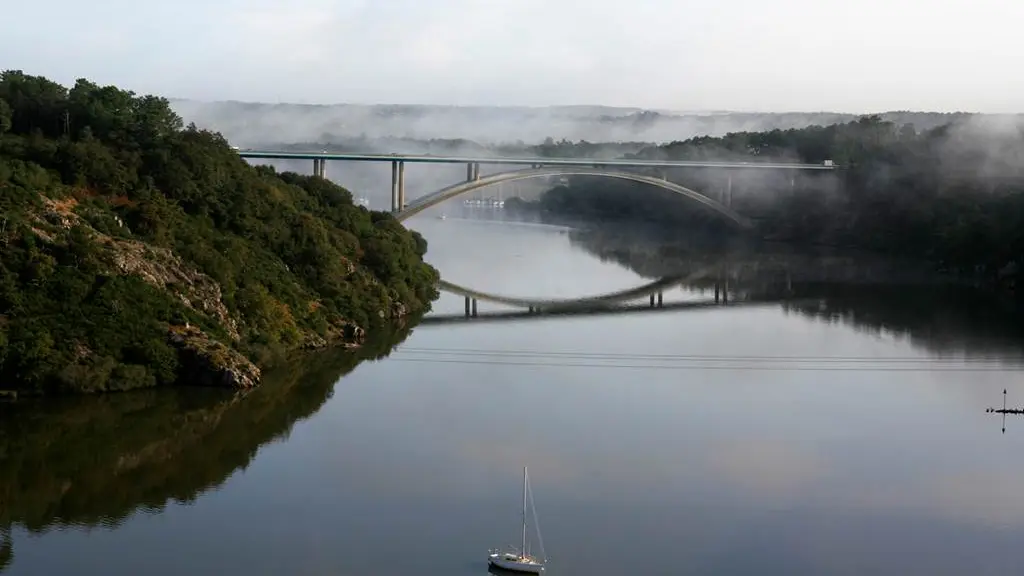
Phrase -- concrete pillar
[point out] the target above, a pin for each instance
(401, 185)
(476, 171)
(652, 300)
(728, 192)
(394, 186)
(659, 300)
(469, 172)
(316, 166)
(474, 307)
(725, 291)
(717, 291)
(467, 306)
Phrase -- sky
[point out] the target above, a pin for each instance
(750, 55)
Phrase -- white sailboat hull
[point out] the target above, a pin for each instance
(519, 560)
(515, 565)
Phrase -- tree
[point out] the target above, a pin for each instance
(119, 223)
(5, 116)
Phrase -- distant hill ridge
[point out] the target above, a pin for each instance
(253, 123)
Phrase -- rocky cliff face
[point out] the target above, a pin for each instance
(204, 360)
(207, 362)
(163, 269)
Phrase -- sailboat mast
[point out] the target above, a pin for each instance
(523, 549)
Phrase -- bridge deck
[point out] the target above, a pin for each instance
(428, 158)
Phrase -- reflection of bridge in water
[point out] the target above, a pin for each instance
(653, 290)
(613, 310)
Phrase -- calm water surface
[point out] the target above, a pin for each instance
(658, 443)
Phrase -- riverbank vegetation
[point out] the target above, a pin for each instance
(952, 196)
(136, 252)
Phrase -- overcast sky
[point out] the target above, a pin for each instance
(762, 55)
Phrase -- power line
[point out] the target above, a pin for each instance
(697, 366)
(527, 354)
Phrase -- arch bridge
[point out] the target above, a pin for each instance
(621, 168)
(424, 202)
(635, 170)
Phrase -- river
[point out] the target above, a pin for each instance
(842, 434)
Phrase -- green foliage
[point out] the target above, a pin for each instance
(5, 116)
(114, 217)
(953, 195)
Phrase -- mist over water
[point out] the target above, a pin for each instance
(265, 125)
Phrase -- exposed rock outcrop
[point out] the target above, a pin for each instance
(207, 362)
(162, 268)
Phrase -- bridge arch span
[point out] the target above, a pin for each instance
(430, 200)
(583, 301)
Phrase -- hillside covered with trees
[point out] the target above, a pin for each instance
(138, 252)
(952, 196)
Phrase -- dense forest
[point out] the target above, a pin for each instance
(139, 252)
(952, 196)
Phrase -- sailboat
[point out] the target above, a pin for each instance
(520, 560)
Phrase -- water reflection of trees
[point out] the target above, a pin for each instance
(942, 320)
(870, 293)
(95, 461)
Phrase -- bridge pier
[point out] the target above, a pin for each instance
(652, 300)
(472, 172)
(717, 290)
(659, 300)
(401, 185)
(728, 192)
(320, 167)
(394, 186)
(470, 307)
(397, 185)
